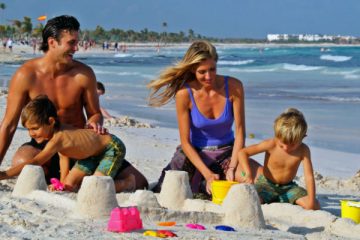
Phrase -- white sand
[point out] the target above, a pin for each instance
(51, 215)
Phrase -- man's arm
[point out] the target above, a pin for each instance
(44, 156)
(17, 98)
(91, 103)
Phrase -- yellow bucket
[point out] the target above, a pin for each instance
(350, 209)
(219, 189)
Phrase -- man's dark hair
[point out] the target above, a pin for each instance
(100, 86)
(54, 28)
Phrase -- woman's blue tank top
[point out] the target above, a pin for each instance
(211, 132)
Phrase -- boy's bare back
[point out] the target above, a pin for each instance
(79, 143)
(280, 166)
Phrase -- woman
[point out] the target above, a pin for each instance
(207, 105)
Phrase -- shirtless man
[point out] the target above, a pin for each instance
(69, 84)
(96, 154)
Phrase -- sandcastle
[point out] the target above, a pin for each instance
(96, 197)
(175, 190)
(31, 178)
(241, 206)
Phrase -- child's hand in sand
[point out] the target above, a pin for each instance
(51, 188)
(246, 178)
(3, 175)
(55, 185)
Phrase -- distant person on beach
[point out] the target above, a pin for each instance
(9, 44)
(95, 154)
(207, 105)
(69, 84)
(4, 44)
(100, 88)
(34, 44)
(283, 155)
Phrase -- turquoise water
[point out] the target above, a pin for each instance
(325, 85)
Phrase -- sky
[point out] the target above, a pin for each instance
(212, 18)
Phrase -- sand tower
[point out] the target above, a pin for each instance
(96, 197)
(175, 189)
(31, 178)
(242, 207)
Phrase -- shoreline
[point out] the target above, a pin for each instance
(24, 52)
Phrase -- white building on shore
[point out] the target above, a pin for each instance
(307, 37)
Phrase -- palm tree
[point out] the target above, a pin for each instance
(17, 27)
(164, 24)
(191, 34)
(2, 7)
(26, 26)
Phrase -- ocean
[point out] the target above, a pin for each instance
(322, 82)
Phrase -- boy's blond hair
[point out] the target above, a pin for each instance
(290, 127)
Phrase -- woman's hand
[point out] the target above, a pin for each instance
(209, 180)
(230, 176)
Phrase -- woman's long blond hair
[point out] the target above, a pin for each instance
(174, 77)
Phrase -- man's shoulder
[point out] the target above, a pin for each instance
(30, 65)
(80, 66)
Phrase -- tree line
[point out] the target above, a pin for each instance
(24, 30)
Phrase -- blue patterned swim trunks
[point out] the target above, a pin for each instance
(109, 162)
(271, 192)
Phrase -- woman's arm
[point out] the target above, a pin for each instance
(182, 100)
(237, 99)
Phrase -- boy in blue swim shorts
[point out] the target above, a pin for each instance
(95, 154)
(283, 155)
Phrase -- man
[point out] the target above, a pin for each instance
(69, 84)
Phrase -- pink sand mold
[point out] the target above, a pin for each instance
(124, 219)
(58, 186)
(195, 226)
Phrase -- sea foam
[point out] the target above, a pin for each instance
(335, 58)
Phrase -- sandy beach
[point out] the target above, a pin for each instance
(43, 214)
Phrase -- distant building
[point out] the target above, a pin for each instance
(309, 38)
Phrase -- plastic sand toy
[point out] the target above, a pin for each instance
(224, 228)
(219, 189)
(195, 226)
(167, 233)
(124, 219)
(58, 186)
(154, 234)
(166, 224)
(351, 210)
